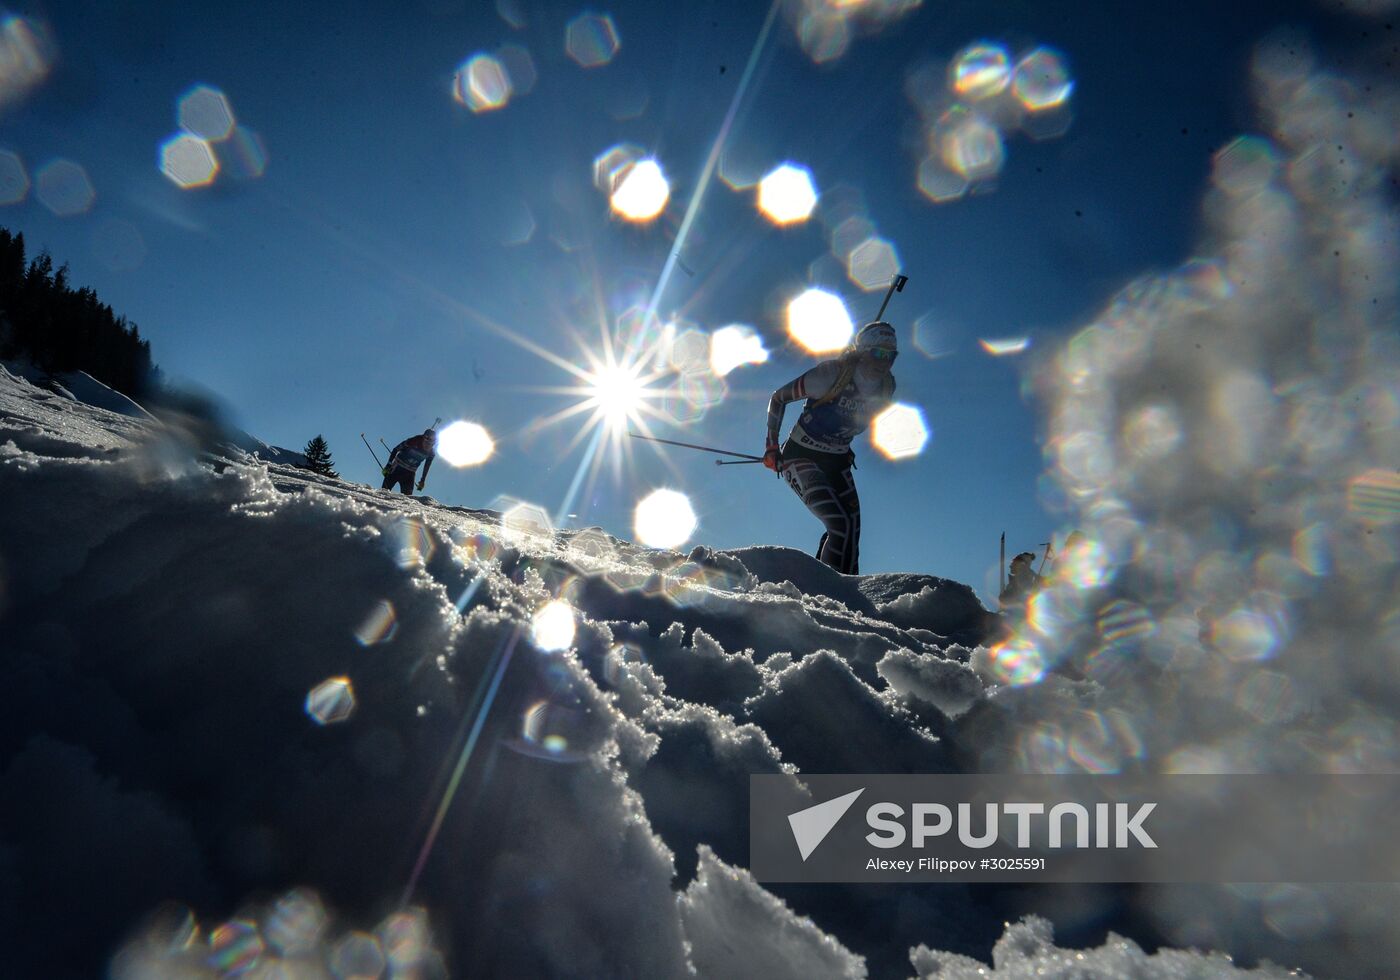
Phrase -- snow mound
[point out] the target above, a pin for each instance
(229, 680)
(1026, 951)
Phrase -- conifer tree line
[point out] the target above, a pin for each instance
(60, 328)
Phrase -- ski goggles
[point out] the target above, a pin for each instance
(883, 354)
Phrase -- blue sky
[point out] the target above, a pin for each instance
(347, 289)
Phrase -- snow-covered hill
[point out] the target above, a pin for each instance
(501, 800)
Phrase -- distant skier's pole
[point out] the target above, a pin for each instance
(1049, 546)
(371, 451)
(896, 286)
(703, 449)
(1001, 565)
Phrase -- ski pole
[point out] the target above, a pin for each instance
(385, 445)
(896, 286)
(703, 449)
(372, 452)
(1049, 546)
(1001, 565)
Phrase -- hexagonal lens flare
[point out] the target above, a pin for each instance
(642, 192)
(331, 701)
(465, 444)
(973, 149)
(939, 184)
(188, 161)
(204, 111)
(899, 431)
(980, 71)
(664, 519)
(818, 320)
(357, 955)
(787, 195)
(1041, 80)
(63, 187)
(379, 626)
(591, 40)
(526, 524)
(872, 264)
(481, 84)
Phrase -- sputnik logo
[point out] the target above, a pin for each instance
(810, 826)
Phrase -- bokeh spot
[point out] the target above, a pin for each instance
(481, 84)
(407, 941)
(188, 161)
(552, 627)
(733, 346)
(465, 444)
(204, 111)
(642, 192)
(524, 524)
(972, 148)
(357, 956)
(235, 947)
(296, 923)
(379, 626)
(899, 431)
(819, 321)
(787, 195)
(331, 701)
(939, 184)
(591, 39)
(1041, 80)
(664, 519)
(872, 264)
(980, 71)
(63, 187)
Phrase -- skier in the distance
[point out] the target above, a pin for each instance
(404, 459)
(843, 395)
(1022, 581)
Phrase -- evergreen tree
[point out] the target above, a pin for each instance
(59, 328)
(318, 458)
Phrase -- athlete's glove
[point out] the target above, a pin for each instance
(420, 485)
(383, 471)
(773, 457)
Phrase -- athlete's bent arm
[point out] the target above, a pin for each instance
(793, 391)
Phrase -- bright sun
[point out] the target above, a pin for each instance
(617, 392)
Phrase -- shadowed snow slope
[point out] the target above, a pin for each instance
(483, 806)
